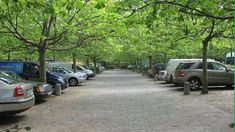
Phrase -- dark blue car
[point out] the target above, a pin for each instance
(30, 71)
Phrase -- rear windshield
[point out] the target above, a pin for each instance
(185, 65)
(13, 75)
(8, 80)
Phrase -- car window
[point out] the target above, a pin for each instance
(11, 75)
(80, 68)
(58, 70)
(31, 69)
(67, 70)
(217, 66)
(7, 79)
(14, 75)
(185, 65)
(209, 66)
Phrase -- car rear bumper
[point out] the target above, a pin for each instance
(179, 80)
(91, 75)
(82, 80)
(16, 107)
(161, 78)
(42, 95)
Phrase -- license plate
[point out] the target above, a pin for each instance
(49, 93)
(29, 91)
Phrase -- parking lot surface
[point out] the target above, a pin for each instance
(123, 101)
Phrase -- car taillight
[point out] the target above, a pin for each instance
(18, 91)
(182, 73)
(40, 89)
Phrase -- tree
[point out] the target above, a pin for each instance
(191, 15)
(41, 24)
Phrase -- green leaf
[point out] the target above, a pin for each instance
(79, 4)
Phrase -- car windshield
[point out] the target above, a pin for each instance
(67, 70)
(80, 67)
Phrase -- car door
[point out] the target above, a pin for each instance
(221, 75)
(211, 74)
(59, 72)
(31, 72)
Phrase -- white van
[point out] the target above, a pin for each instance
(173, 63)
(69, 66)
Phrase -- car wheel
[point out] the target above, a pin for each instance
(73, 82)
(195, 83)
(229, 86)
(171, 78)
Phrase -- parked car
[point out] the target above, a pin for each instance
(73, 78)
(130, 67)
(161, 76)
(30, 71)
(41, 90)
(82, 75)
(218, 74)
(159, 67)
(15, 96)
(171, 66)
(229, 60)
(102, 68)
(70, 66)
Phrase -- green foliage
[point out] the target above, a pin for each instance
(115, 31)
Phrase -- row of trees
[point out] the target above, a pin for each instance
(54, 25)
(116, 31)
(173, 23)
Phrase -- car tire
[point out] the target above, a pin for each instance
(73, 81)
(195, 83)
(229, 86)
(171, 78)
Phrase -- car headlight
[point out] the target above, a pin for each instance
(61, 80)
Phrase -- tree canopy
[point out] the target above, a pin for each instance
(115, 31)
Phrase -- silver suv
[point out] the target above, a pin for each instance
(218, 74)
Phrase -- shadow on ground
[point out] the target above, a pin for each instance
(210, 88)
(8, 120)
(39, 102)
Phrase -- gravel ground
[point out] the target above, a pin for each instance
(123, 101)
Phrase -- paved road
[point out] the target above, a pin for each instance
(123, 101)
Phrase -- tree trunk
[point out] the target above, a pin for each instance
(9, 55)
(165, 56)
(94, 61)
(87, 61)
(150, 61)
(231, 55)
(42, 63)
(204, 63)
(74, 63)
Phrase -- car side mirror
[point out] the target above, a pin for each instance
(227, 70)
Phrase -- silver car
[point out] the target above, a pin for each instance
(73, 78)
(161, 76)
(15, 96)
(218, 74)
